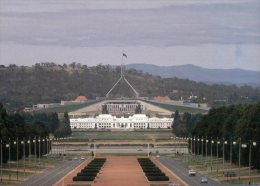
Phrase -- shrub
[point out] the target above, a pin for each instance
(158, 178)
(83, 178)
(90, 171)
(154, 174)
(87, 174)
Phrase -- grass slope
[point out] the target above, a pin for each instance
(67, 108)
(122, 135)
(181, 109)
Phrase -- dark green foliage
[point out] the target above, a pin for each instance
(152, 172)
(183, 125)
(90, 171)
(104, 109)
(94, 174)
(64, 129)
(240, 122)
(13, 127)
(83, 178)
(177, 118)
(138, 109)
(51, 120)
(158, 178)
(178, 126)
(51, 83)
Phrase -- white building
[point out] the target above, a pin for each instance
(137, 121)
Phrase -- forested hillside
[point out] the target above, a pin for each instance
(48, 82)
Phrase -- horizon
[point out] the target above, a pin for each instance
(217, 35)
(116, 65)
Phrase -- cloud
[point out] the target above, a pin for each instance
(152, 24)
(163, 24)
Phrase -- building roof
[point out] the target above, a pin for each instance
(81, 98)
(139, 116)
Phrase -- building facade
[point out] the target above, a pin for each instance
(107, 121)
(116, 107)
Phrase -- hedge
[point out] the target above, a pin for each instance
(83, 178)
(90, 172)
(152, 172)
(158, 178)
(87, 174)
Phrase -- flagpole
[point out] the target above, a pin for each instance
(1, 160)
(122, 64)
(17, 157)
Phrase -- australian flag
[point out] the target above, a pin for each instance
(124, 55)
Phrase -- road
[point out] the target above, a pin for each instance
(51, 176)
(182, 172)
(86, 150)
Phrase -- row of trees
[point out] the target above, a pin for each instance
(240, 124)
(184, 124)
(24, 128)
(58, 127)
(48, 83)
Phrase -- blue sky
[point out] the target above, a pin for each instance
(212, 34)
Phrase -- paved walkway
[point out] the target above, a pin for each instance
(121, 171)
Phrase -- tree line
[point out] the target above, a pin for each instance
(183, 125)
(23, 86)
(234, 125)
(17, 129)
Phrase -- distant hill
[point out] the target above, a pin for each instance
(199, 74)
(50, 83)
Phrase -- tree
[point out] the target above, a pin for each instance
(138, 109)
(48, 83)
(178, 126)
(240, 122)
(176, 118)
(104, 109)
(13, 126)
(64, 129)
(54, 122)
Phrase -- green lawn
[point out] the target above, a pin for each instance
(31, 165)
(122, 135)
(181, 109)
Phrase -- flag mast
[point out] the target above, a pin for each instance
(122, 77)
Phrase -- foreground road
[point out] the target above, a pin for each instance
(51, 176)
(182, 172)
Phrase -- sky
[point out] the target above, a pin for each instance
(208, 33)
